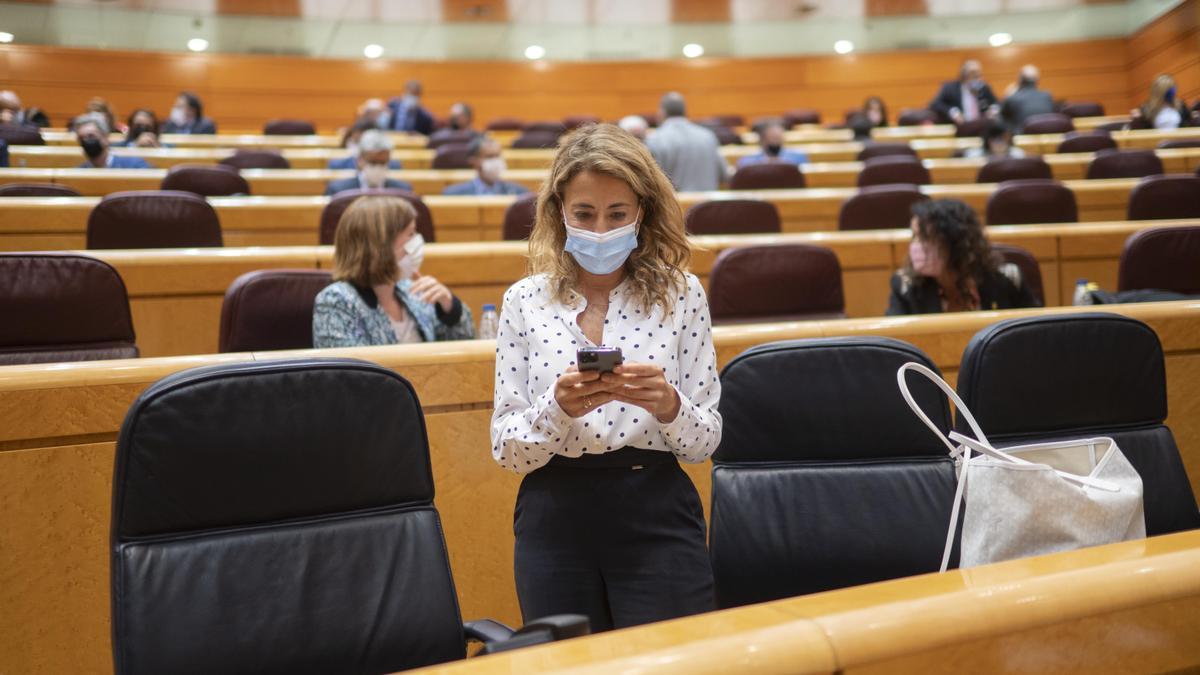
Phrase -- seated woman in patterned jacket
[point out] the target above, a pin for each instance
(379, 296)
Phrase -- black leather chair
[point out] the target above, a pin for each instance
(270, 309)
(37, 190)
(278, 517)
(780, 176)
(452, 156)
(892, 169)
(913, 117)
(1048, 123)
(824, 478)
(1031, 273)
(1165, 196)
(332, 213)
(575, 121)
(1013, 168)
(21, 134)
(1077, 376)
(972, 129)
(800, 116)
(62, 307)
(505, 124)
(1087, 141)
(535, 139)
(449, 137)
(1124, 164)
(1083, 109)
(153, 219)
(724, 134)
(783, 282)
(733, 216)
(871, 149)
(1023, 202)
(519, 217)
(1161, 258)
(206, 180)
(256, 159)
(879, 207)
(289, 128)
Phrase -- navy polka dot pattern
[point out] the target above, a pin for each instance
(536, 341)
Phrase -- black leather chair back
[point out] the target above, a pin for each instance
(331, 215)
(206, 180)
(256, 159)
(289, 128)
(452, 156)
(572, 122)
(449, 137)
(519, 217)
(1032, 200)
(775, 176)
(733, 216)
(21, 134)
(505, 124)
(153, 219)
(1013, 168)
(1165, 196)
(912, 117)
(1076, 376)
(778, 282)
(536, 138)
(1161, 258)
(824, 478)
(872, 149)
(1048, 123)
(37, 190)
(800, 116)
(278, 517)
(880, 207)
(891, 169)
(1083, 109)
(1031, 273)
(270, 309)
(62, 307)
(1087, 141)
(1124, 164)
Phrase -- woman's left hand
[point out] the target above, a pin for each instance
(429, 290)
(645, 385)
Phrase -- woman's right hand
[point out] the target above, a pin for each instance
(579, 393)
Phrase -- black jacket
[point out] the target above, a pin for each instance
(919, 295)
(1024, 103)
(950, 96)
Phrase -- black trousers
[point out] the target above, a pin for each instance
(619, 537)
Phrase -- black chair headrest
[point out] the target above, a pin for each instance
(215, 443)
(1057, 373)
(826, 399)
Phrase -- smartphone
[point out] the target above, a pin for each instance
(603, 359)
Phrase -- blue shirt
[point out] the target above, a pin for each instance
(351, 162)
(119, 162)
(785, 156)
(477, 187)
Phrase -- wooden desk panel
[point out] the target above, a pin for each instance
(57, 427)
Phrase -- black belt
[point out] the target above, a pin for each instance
(621, 458)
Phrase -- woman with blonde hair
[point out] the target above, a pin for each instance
(1164, 109)
(379, 296)
(606, 522)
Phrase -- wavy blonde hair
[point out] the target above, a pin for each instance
(656, 267)
(1158, 97)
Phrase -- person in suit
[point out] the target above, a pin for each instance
(371, 162)
(770, 137)
(350, 142)
(91, 130)
(688, 153)
(951, 266)
(484, 154)
(187, 116)
(407, 114)
(1026, 101)
(379, 296)
(966, 99)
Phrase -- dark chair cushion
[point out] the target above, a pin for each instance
(913, 117)
(972, 129)
(1022, 202)
(773, 176)
(1109, 379)
(1083, 109)
(872, 149)
(733, 216)
(519, 217)
(536, 139)
(800, 116)
(879, 207)
(37, 190)
(289, 128)
(153, 219)
(270, 309)
(1031, 272)
(1048, 123)
(1087, 141)
(450, 137)
(332, 213)
(452, 156)
(1124, 164)
(1166, 196)
(1013, 168)
(546, 127)
(505, 124)
(575, 121)
(62, 307)
(891, 169)
(1162, 258)
(784, 282)
(21, 134)
(730, 121)
(207, 180)
(256, 159)
(725, 135)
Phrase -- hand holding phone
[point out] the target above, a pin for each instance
(603, 359)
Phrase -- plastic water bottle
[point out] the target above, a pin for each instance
(1081, 293)
(487, 323)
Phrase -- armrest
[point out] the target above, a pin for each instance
(487, 631)
(540, 631)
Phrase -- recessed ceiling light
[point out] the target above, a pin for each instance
(6, 37)
(692, 50)
(373, 51)
(999, 39)
(843, 46)
(535, 52)
(197, 44)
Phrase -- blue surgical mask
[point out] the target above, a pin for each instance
(601, 253)
(1170, 95)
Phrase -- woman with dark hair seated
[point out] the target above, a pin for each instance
(951, 266)
(997, 142)
(143, 130)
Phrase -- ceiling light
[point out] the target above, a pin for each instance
(535, 52)
(373, 51)
(6, 37)
(197, 44)
(843, 46)
(692, 50)
(999, 39)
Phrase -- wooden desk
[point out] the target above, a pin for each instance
(1040, 614)
(58, 426)
(399, 140)
(176, 295)
(60, 223)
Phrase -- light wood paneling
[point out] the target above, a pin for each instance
(1169, 44)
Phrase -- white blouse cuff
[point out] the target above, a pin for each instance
(685, 418)
(552, 413)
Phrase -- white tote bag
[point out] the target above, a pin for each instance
(1033, 499)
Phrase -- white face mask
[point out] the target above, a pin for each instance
(414, 255)
(352, 149)
(601, 253)
(179, 115)
(375, 175)
(492, 168)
